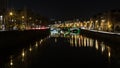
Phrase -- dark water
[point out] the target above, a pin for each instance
(70, 51)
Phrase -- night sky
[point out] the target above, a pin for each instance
(66, 8)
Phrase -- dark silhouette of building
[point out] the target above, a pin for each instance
(3, 6)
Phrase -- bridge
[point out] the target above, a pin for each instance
(64, 31)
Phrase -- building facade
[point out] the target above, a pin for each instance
(107, 21)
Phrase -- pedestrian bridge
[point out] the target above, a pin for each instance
(65, 31)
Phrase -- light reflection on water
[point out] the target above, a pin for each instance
(91, 42)
(102, 47)
(36, 44)
(30, 48)
(23, 54)
(11, 61)
(96, 44)
(81, 41)
(74, 40)
(23, 58)
(55, 40)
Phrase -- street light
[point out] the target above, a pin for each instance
(11, 13)
(11, 20)
(23, 17)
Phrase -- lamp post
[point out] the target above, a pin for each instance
(11, 20)
(11, 14)
(23, 24)
(23, 19)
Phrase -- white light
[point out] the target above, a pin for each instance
(85, 41)
(109, 54)
(11, 62)
(30, 49)
(96, 21)
(36, 44)
(91, 42)
(96, 46)
(1, 18)
(41, 40)
(103, 20)
(23, 53)
(103, 48)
